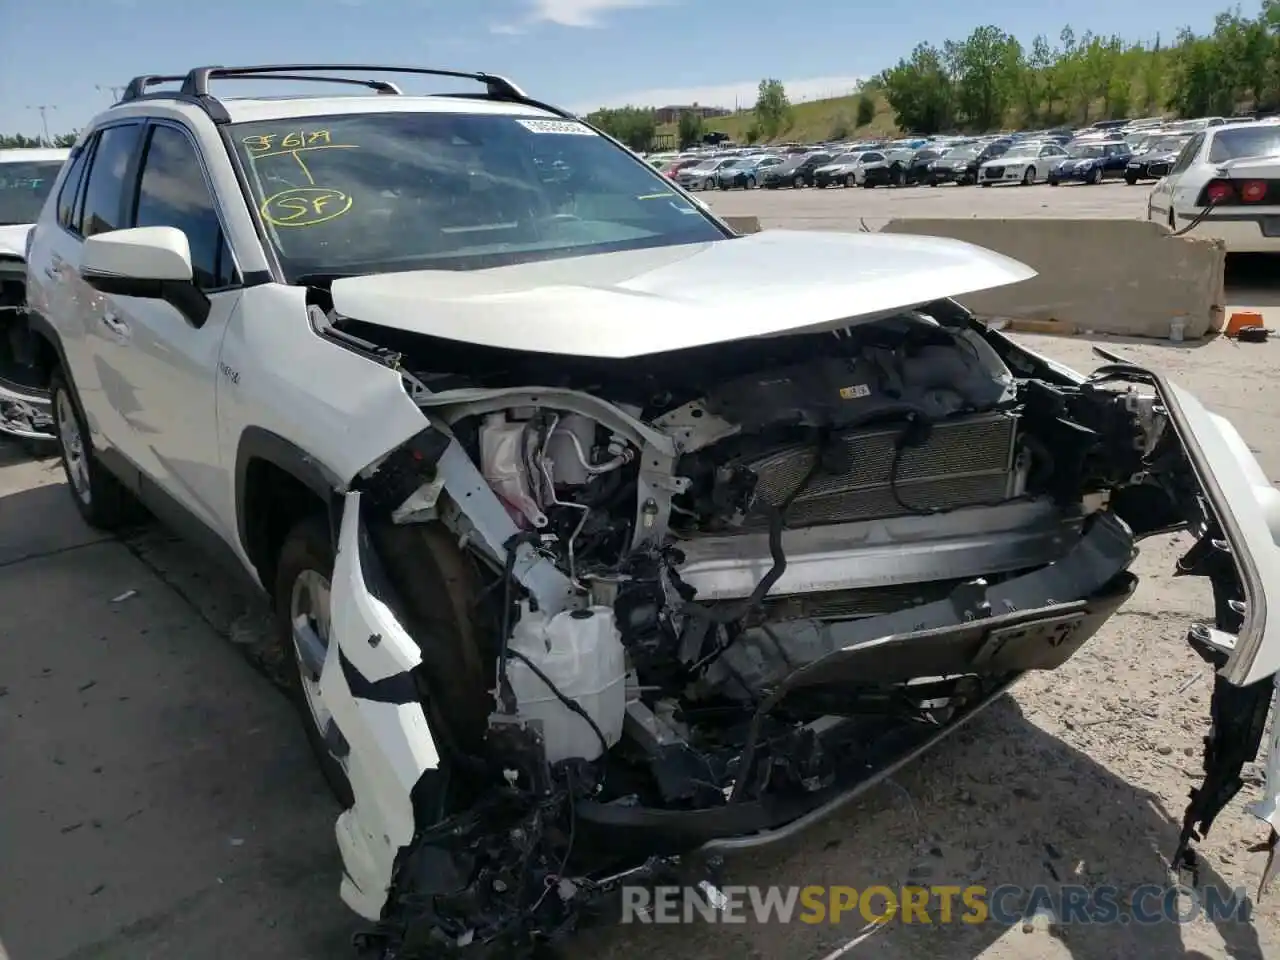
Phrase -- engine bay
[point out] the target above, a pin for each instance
(733, 584)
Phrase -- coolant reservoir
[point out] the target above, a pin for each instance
(581, 652)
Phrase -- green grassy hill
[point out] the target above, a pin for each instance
(811, 121)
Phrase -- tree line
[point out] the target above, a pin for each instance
(989, 80)
(16, 141)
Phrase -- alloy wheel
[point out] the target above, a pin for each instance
(309, 617)
(72, 446)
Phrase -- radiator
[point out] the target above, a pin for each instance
(964, 462)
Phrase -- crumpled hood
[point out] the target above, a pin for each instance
(13, 239)
(649, 301)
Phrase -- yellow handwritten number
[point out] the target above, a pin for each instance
(304, 206)
(293, 140)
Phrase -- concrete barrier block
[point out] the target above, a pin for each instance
(1122, 277)
(743, 225)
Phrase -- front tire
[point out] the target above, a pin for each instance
(1029, 176)
(304, 575)
(1131, 181)
(797, 183)
(103, 501)
(1095, 176)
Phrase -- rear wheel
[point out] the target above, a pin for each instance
(103, 501)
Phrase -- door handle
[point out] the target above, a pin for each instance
(115, 324)
(51, 272)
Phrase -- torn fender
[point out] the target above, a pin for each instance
(367, 685)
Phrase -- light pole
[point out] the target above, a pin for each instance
(44, 109)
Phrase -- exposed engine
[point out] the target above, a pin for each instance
(784, 562)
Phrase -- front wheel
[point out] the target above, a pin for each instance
(751, 183)
(797, 183)
(1131, 181)
(1095, 175)
(304, 574)
(1029, 176)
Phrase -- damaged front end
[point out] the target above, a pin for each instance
(712, 595)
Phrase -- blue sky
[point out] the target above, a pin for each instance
(577, 53)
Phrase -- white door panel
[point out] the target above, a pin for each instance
(159, 374)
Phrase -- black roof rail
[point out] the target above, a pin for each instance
(195, 83)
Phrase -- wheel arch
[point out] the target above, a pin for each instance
(48, 347)
(277, 484)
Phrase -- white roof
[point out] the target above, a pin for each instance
(247, 110)
(34, 154)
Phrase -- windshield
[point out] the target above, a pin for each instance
(846, 158)
(1013, 153)
(1245, 142)
(24, 184)
(1085, 150)
(1167, 145)
(962, 153)
(375, 193)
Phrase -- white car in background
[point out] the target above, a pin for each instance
(1225, 185)
(1024, 163)
(26, 177)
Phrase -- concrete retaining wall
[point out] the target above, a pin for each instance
(1123, 277)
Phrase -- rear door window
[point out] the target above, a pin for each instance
(1188, 153)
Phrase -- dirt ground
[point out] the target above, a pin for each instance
(157, 799)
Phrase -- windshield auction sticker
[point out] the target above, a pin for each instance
(568, 127)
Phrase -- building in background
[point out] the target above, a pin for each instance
(671, 114)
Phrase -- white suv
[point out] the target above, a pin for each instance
(599, 534)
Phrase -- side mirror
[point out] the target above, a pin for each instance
(156, 254)
(152, 263)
